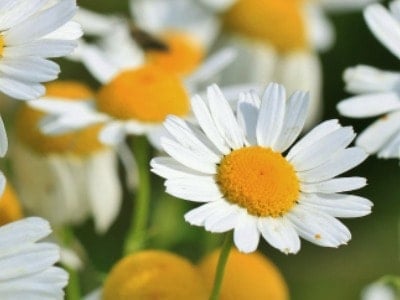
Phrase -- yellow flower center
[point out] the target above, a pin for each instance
(10, 209)
(82, 142)
(147, 94)
(278, 22)
(2, 45)
(247, 276)
(150, 275)
(260, 180)
(183, 56)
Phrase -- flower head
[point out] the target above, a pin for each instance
(30, 32)
(238, 165)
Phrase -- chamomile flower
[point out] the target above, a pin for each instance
(378, 89)
(68, 177)
(239, 168)
(379, 291)
(30, 32)
(27, 270)
(279, 41)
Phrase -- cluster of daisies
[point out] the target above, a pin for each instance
(238, 148)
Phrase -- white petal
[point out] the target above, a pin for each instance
(224, 118)
(336, 185)
(318, 228)
(94, 23)
(385, 28)
(279, 233)
(371, 105)
(246, 235)
(69, 31)
(113, 133)
(379, 133)
(366, 79)
(295, 117)
(271, 115)
(207, 124)
(169, 168)
(314, 135)
(391, 149)
(224, 218)
(15, 11)
(341, 162)
(3, 139)
(41, 23)
(42, 48)
(198, 215)
(188, 157)
(322, 150)
(339, 205)
(247, 113)
(194, 188)
(20, 89)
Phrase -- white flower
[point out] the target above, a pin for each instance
(378, 90)
(236, 166)
(30, 32)
(69, 177)
(26, 265)
(378, 291)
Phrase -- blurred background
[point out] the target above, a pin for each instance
(314, 273)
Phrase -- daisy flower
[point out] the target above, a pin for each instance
(239, 167)
(30, 32)
(279, 41)
(68, 177)
(27, 270)
(379, 291)
(378, 89)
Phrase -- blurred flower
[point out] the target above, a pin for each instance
(10, 208)
(378, 89)
(65, 178)
(31, 31)
(150, 275)
(235, 165)
(247, 276)
(379, 291)
(27, 270)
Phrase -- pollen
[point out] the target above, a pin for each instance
(277, 22)
(10, 208)
(260, 180)
(247, 276)
(81, 142)
(184, 54)
(2, 45)
(147, 94)
(152, 275)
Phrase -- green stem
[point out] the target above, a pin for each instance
(223, 258)
(137, 232)
(73, 288)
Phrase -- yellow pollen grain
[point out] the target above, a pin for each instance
(277, 22)
(150, 275)
(81, 142)
(183, 56)
(147, 94)
(247, 276)
(260, 180)
(10, 208)
(2, 45)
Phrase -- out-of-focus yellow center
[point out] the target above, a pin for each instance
(10, 209)
(278, 22)
(146, 94)
(81, 142)
(2, 45)
(247, 276)
(260, 180)
(183, 56)
(151, 275)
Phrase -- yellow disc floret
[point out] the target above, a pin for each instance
(278, 22)
(151, 275)
(2, 45)
(147, 94)
(80, 142)
(183, 55)
(260, 180)
(10, 209)
(247, 276)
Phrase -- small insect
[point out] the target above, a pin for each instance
(146, 40)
